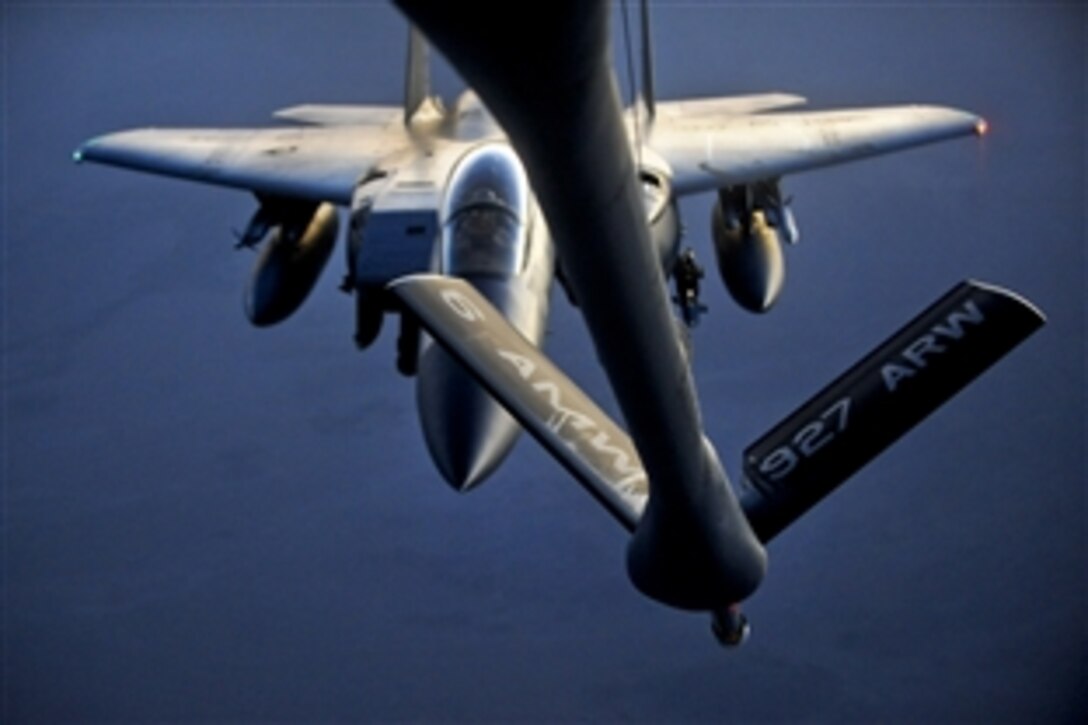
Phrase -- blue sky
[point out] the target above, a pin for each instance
(207, 521)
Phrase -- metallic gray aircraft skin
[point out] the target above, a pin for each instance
(606, 182)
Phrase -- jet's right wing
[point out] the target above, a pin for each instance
(320, 159)
(316, 164)
(545, 401)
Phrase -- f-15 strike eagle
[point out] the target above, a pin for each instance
(460, 218)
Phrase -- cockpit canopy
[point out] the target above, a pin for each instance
(485, 214)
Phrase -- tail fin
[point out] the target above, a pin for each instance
(855, 418)
(647, 95)
(417, 75)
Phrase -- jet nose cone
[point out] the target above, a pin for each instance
(468, 434)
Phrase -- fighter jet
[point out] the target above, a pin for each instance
(427, 188)
(460, 219)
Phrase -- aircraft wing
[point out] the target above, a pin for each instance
(709, 150)
(318, 164)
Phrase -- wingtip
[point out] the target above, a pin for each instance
(86, 150)
(80, 154)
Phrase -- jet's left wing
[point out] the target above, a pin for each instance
(709, 150)
(317, 164)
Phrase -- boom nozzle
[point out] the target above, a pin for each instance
(730, 626)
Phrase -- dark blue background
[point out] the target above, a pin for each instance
(203, 520)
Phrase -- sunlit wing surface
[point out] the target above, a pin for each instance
(318, 164)
(711, 150)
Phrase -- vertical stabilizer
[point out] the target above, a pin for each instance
(647, 95)
(417, 75)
